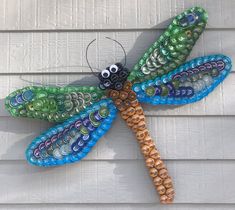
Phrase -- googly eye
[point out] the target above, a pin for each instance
(113, 68)
(105, 73)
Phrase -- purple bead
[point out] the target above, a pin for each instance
(54, 138)
(65, 131)
(19, 99)
(86, 137)
(75, 148)
(214, 64)
(97, 116)
(36, 153)
(78, 124)
(190, 92)
(208, 65)
(202, 68)
(158, 90)
(220, 65)
(48, 143)
(183, 91)
(90, 127)
(81, 143)
(86, 122)
(41, 146)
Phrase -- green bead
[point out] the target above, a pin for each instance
(164, 90)
(150, 91)
(214, 72)
(103, 111)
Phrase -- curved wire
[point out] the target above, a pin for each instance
(87, 58)
(120, 46)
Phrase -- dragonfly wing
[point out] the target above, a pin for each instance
(172, 47)
(72, 140)
(54, 104)
(189, 83)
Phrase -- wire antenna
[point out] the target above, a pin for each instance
(120, 46)
(87, 58)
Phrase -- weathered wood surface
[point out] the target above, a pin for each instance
(43, 42)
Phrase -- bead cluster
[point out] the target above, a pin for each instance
(172, 47)
(51, 103)
(113, 77)
(72, 140)
(132, 112)
(188, 83)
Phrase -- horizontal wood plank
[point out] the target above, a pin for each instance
(106, 14)
(64, 52)
(117, 206)
(176, 137)
(115, 182)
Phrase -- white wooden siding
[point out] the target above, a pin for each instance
(44, 42)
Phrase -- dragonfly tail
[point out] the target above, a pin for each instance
(132, 113)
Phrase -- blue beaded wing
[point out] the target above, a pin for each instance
(72, 140)
(188, 83)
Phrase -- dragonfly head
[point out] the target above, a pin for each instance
(113, 77)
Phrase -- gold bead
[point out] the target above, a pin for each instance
(145, 150)
(154, 154)
(140, 135)
(149, 162)
(163, 199)
(170, 192)
(163, 173)
(123, 95)
(127, 86)
(159, 164)
(130, 111)
(161, 189)
(142, 125)
(132, 95)
(139, 110)
(157, 181)
(153, 172)
(134, 103)
(114, 94)
(167, 183)
(136, 118)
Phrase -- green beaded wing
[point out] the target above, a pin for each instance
(54, 104)
(172, 47)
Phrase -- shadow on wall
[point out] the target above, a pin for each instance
(126, 139)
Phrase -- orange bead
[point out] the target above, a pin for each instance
(130, 111)
(145, 149)
(159, 164)
(139, 110)
(149, 162)
(114, 94)
(140, 135)
(142, 125)
(161, 189)
(134, 103)
(163, 199)
(163, 173)
(123, 95)
(154, 154)
(127, 86)
(153, 172)
(132, 95)
(167, 183)
(157, 181)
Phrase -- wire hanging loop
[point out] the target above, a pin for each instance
(95, 73)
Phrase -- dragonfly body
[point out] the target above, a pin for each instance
(126, 101)
(87, 113)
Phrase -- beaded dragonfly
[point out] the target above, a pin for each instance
(84, 114)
